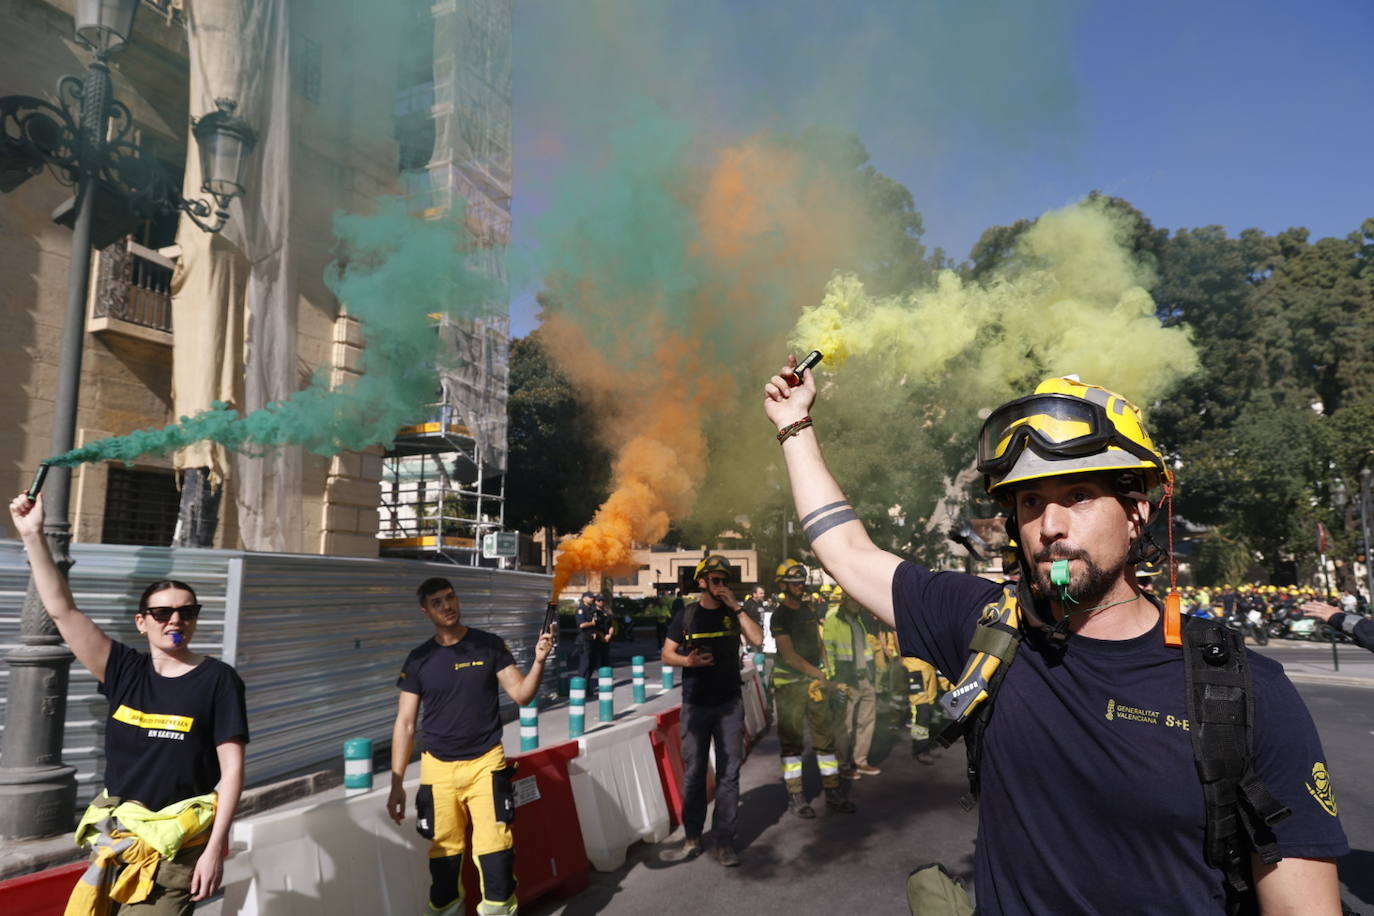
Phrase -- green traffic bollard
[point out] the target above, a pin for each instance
(577, 707)
(667, 678)
(637, 679)
(529, 725)
(605, 693)
(357, 765)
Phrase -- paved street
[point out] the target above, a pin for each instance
(910, 815)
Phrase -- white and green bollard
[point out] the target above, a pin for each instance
(637, 678)
(529, 725)
(577, 707)
(357, 765)
(667, 678)
(605, 693)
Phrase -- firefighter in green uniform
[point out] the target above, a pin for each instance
(801, 689)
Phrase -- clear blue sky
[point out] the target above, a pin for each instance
(1257, 114)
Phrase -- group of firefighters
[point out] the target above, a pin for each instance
(1267, 599)
(833, 669)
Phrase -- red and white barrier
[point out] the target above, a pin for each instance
(619, 794)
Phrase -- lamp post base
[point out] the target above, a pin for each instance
(37, 791)
(37, 801)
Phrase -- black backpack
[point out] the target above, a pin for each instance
(1240, 810)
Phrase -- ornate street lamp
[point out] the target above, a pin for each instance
(104, 26)
(84, 140)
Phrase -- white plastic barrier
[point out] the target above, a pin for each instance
(342, 857)
(619, 795)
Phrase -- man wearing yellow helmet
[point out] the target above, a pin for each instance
(1089, 733)
(801, 692)
(704, 640)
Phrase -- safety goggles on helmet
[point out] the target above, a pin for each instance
(1064, 430)
(712, 564)
(791, 572)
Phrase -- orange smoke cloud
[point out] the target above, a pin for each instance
(770, 228)
(659, 410)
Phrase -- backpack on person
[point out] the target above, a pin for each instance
(1218, 692)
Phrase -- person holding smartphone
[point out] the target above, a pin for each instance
(703, 639)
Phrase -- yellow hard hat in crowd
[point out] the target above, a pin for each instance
(713, 563)
(791, 572)
(1066, 427)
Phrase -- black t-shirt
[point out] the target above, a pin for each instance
(715, 631)
(801, 624)
(459, 703)
(162, 732)
(1090, 799)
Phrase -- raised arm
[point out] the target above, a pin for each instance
(522, 687)
(837, 536)
(87, 641)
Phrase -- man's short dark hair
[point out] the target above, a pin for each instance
(432, 585)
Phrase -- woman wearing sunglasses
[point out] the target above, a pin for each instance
(174, 744)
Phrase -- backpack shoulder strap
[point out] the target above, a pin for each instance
(689, 621)
(1240, 808)
(969, 704)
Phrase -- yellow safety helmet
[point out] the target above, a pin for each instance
(791, 572)
(714, 563)
(1066, 427)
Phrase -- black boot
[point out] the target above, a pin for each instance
(796, 803)
(835, 801)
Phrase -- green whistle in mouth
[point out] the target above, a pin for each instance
(1059, 573)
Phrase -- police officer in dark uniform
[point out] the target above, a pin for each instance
(595, 629)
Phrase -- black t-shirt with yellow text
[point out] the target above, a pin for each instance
(162, 734)
(460, 716)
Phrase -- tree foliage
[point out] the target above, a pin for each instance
(558, 471)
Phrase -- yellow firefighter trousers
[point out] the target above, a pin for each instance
(456, 795)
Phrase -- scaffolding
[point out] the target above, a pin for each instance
(439, 496)
(443, 481)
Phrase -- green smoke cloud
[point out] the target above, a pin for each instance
(393, 272)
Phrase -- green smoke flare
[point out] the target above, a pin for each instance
(393, 272)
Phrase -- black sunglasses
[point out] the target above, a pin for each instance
(164, 614)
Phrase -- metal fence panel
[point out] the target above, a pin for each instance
(318, 640)
(321, 641)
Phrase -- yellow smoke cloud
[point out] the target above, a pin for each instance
(1073, 299)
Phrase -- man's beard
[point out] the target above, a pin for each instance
(1087, 588)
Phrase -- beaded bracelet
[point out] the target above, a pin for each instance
(792, 429)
